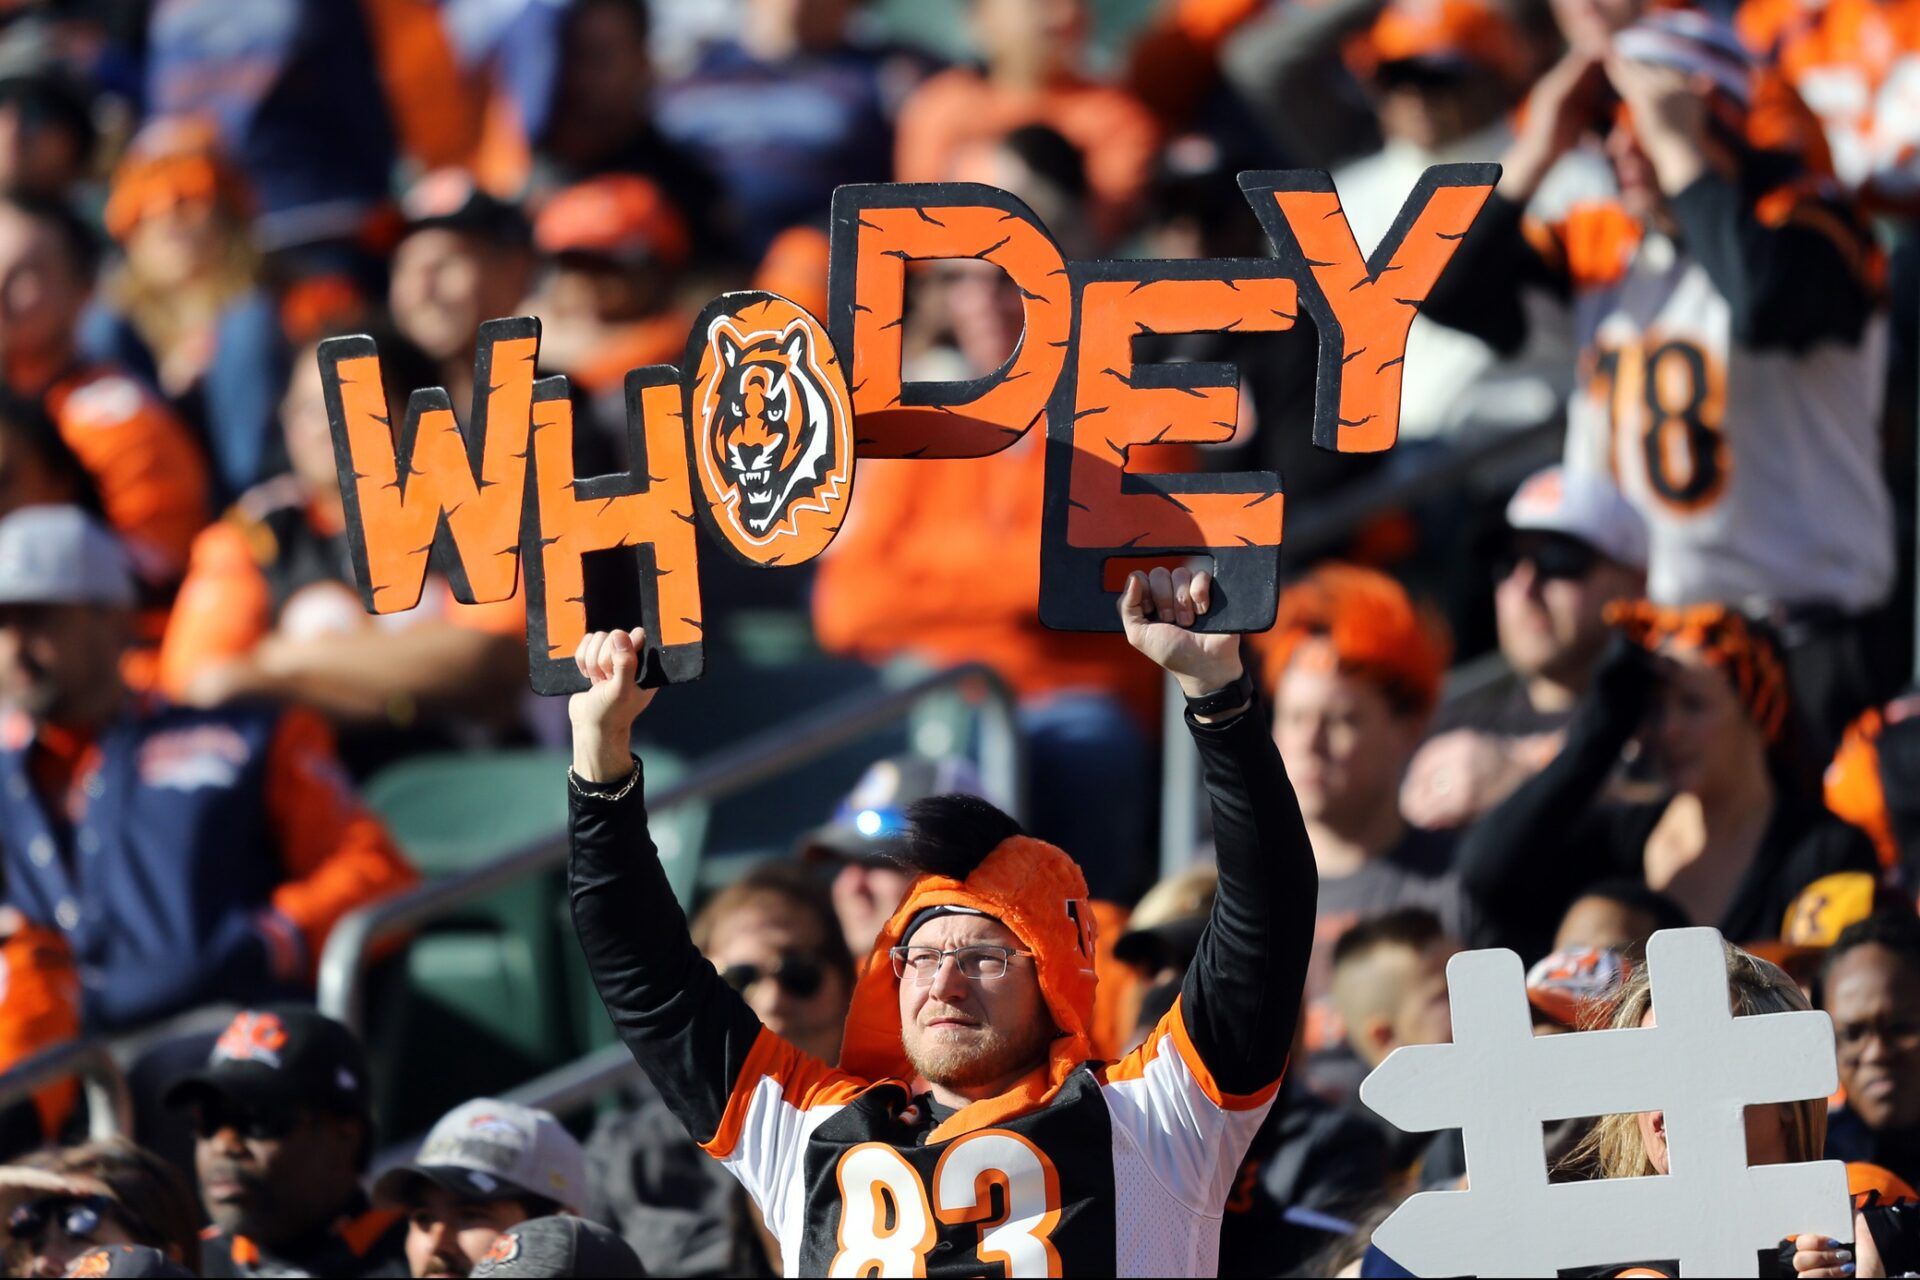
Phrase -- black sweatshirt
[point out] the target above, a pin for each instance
(1527, 861)
(1122, 1168)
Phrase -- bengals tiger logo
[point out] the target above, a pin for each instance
(95, 1262)
(775, 443)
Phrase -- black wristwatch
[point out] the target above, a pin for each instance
(1221, 701)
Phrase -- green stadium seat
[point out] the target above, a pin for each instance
(487, 993)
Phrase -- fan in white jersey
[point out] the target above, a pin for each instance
(1727, 312)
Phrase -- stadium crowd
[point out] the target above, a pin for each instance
(1551, 705)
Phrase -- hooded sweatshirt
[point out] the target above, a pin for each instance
(1083, 1166)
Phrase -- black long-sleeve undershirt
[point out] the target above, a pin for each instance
(692, 1033)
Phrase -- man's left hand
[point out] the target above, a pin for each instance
(1159, 608)
(1669, 112)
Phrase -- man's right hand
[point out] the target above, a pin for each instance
(1559, 110)
(603, 715)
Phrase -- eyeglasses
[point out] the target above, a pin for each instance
(264, 1124)
(800, 976)
(78, 1217)
(1894, 1033)
(1552, 556)
(980, 963)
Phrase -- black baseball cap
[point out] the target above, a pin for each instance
(562, 1245)
(1168, 945)
(280, 1057)
(451, 198)
(126, 1260)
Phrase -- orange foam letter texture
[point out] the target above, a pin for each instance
(614, 550)
(877, 231)
(1364, 306)
(1097, 510)
(434, 497)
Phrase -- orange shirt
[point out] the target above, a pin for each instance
(941, 560)
(226, 607)
(957, 114)
(151, 476)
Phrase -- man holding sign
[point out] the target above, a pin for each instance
(966, 1061)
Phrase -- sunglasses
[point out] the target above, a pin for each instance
(265, 1124)
(797, 975)
(1553, 558)
(78, 1217)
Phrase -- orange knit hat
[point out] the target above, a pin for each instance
(1037, 891)
(1373, 628)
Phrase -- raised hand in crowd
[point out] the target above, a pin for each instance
(603, 715)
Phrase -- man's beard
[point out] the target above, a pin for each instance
(980, 1059)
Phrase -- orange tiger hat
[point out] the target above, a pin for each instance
(1037, 891)
(1746, 656)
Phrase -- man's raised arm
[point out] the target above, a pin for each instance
(1242, 994)
(691, 1032)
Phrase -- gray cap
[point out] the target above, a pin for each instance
(61, 555)
(562, 1246)
(492, 1150)
(869, 821)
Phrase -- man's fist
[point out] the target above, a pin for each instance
(1157, 609)
(603, 715)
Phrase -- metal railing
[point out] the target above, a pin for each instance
(343, 965)
(109, 1104)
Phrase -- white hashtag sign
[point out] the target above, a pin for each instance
(1700, 1065)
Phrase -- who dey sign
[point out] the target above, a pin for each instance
(759, 429)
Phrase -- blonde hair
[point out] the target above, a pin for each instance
(1614, 1148)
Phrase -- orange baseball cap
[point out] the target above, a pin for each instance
(173, 161)
(620, 216)
(1449, 34)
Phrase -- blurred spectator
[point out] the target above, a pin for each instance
(186, 855)
(47, 134)
(1854, 62)
(485, 1166)
(294, 89)
(128, 1260)
(1617, 915)
(152, 480)
(1390, 988)
(1390, 982)
(39, 1008)
(789, 109)
(1574, 547)
(1738, 834)
(187, 301)
(561, 1246)
(1031, 51)
(1355, 671)
(466, 258)
(857, 844)
(602, 118)
(269, 609)
(774, 937)
(58, 1204)
(1870, 985)
(37, 468)
(1874, 781)
(1728, 321)
(283, 1134)
(936, 564)
(1443, 76)
(613, 248)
